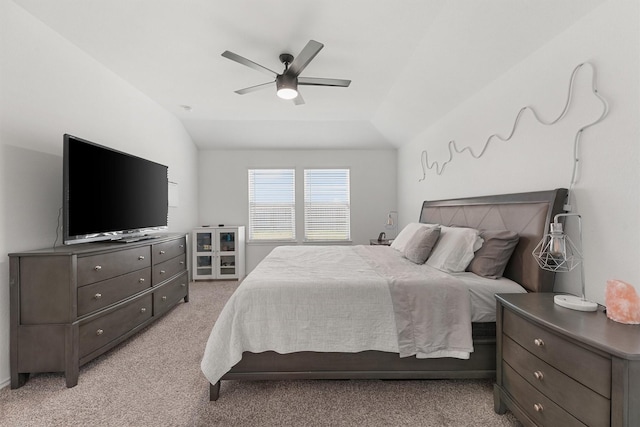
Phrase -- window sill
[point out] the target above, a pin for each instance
(296, 242)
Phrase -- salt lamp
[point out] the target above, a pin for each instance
(622, 301)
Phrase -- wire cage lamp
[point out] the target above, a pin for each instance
(556, 252)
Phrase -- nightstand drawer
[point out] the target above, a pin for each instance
(586, 367)
(543, 411)
(582, 402)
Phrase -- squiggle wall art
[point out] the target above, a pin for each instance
(453, 147)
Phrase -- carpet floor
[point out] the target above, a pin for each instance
(154, 379)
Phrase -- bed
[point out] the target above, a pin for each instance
(317, 312)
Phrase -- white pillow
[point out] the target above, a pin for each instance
(455, 248)
(400, 242)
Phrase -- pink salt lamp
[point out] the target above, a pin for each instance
(622, 301)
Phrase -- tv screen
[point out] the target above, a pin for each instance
(110, 195)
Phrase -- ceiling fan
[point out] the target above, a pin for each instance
(287, 82)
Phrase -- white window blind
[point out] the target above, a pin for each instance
(327, 212)
(272, 204)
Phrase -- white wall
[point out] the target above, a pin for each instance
(540, 157)
(49, 87)
(223, 197)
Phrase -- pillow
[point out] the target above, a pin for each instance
(401, 240)
(492, 258)
(455, 248)
(419, 247)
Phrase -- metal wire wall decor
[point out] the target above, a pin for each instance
(453, 147)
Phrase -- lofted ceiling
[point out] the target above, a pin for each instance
(410, 61)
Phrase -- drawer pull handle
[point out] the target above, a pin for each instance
(181, 262)
(162, 271)
(538, 342)
(141, 280)
(143, 310)
(99, 332)
(162, 252)
(184, 285)
(97, 268)
(539, 375)
(164, 298)
(98, 296)
(538, 407)
(141, 257)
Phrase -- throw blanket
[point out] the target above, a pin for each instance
(432, 309)
(340, 299)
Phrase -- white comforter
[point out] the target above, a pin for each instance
(334, 299)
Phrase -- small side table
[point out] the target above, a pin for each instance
(377, 242)
(560, 367)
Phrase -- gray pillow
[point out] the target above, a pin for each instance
(421, 244)
(492, 258)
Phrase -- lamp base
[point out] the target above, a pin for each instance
(574, 303)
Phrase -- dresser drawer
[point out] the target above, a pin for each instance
(101, 294)
(104, 329)
(169, 294)
(167, 250)
(170, 268)
(95, 268)
(586, 367)
(582, 402)
(543, 411)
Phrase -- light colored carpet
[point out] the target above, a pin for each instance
(154, 379)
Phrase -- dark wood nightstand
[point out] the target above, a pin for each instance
(384, 242)
(557, 366)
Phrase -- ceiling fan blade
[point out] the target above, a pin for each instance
(244, 61)
(301, 61)
(298, 100)
(317, 81)
(254, 88)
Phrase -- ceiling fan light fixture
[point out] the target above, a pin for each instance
(286, 86)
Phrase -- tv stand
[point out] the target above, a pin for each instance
(72, 303)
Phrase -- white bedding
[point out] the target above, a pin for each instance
(324, 299)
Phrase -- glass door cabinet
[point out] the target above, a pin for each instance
(218, 253)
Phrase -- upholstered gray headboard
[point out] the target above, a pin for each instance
(528, 214)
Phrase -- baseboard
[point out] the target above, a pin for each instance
(5, 383)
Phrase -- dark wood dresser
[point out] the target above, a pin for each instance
(560, 367)
(72, 303)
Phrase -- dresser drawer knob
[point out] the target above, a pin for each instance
(538, 407)
(181, 262)
(162, 271)
(141, 257)
(538, 342)
(184, 285)
(98, 296)
(97, 268)
(141, 280)
(143, 310)
(162, 252)
(181, 246)
(539, 375)
(99, 332)
(164, 298)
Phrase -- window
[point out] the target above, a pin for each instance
(272, 204)
(327, 212)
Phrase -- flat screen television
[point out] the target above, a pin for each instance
(111, 195)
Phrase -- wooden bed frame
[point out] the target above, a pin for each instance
(528, 214)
